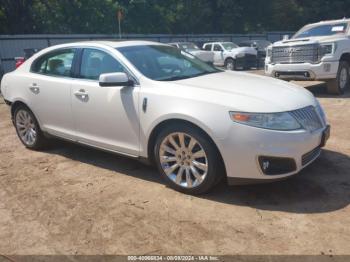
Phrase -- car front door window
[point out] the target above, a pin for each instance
(217, 48)
(96, 62)
(208, 47)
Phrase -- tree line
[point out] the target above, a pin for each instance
(164, 16)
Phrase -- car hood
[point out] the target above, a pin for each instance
(204, 55)
(309, 40)
(246, 92)
(195, 50)
(243, 50)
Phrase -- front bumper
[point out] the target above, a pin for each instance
(247, 61)
(244, 145)
(303, 71)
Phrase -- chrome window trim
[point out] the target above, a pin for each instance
(48, 53)
(129, 71)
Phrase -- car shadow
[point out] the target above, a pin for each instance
(323, 186)
(106, 160)
(320, 91)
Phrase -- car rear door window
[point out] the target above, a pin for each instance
(57, 63)
(95, 62)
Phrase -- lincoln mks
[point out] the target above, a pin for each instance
(196, 123)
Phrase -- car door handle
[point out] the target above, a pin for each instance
(34, 88)
(81, 94)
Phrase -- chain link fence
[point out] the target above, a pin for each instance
(12, 46)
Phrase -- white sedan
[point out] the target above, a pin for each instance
(152, 101)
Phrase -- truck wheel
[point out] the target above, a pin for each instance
(230, 64)
(341, 83)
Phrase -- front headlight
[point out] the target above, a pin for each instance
(276, 121)
(327, 49)
(269, 51)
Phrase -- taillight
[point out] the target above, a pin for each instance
(19, 61)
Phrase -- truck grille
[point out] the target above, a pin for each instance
(295, 54)
(308, 118)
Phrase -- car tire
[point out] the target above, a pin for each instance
(341, 83)
(230, 64)
(189, 170)
(28, 129)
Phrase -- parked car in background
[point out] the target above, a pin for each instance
(204, 55)
(146, 100)
(319, 51)
(261, 48)
(231, 56)
(28, 52)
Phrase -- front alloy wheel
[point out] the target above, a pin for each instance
(183, 160)
(188, 160)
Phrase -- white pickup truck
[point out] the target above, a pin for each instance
(231, 56)
(319, 51)
(205, 56)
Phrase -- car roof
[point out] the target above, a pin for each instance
(180, 43)
(110, 43)
(220, 42)
(96, 43)
(344, 20)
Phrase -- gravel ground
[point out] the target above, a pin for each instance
(74, 200)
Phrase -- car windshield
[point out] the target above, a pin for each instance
(322, 30)
(229, 46)
(165, 63)
(188, 46)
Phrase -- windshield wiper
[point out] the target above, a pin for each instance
(186, 77)
(173, 78)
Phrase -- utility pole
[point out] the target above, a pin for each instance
(119, 17)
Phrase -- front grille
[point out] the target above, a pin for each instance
(308, 118)
(308, 157)
(247, 61)
(295, 54)
(250, 57)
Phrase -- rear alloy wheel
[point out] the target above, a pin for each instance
(341, 83)
(230, 64)
(187, 160)
(28, 129)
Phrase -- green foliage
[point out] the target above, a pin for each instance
(164, 16)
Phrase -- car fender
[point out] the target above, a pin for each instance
(145, 138)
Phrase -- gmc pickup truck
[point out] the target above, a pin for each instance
(319, 51)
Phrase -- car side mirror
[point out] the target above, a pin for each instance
(115, 79)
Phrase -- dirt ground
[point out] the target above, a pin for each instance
(74, 200)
